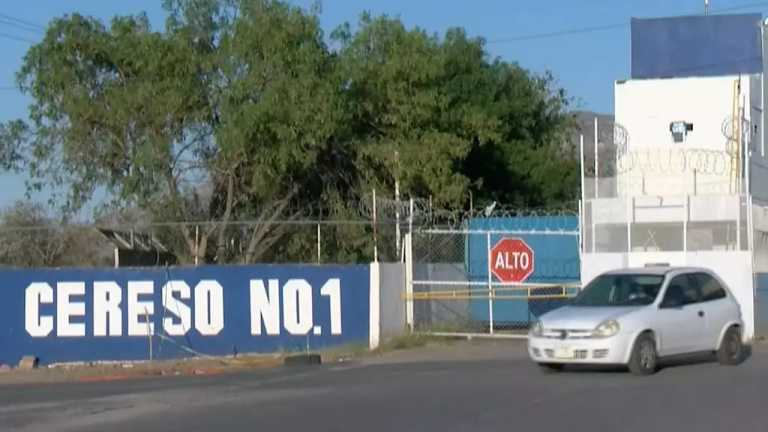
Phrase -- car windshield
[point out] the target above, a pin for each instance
(620, 290)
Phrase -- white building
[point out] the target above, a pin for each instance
(689, 184)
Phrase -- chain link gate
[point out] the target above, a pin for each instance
(453, 291)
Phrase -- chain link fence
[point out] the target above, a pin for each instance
(305, 242)
(465, 281)
(373, 228)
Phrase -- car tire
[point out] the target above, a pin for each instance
(549, 368)
(731, 349)
(644, 359)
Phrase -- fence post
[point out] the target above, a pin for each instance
(580, 222)
(738, 223)
(686, 210)
(581, 166)
(410, 217)
(397, 215)
(409, 281)
(597, 168)
(319, 250)
(197, 244)
(375, 236)
(490, 284)
(630, 217)
(750, 227)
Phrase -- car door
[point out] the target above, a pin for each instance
(716, 306)
(680, 317)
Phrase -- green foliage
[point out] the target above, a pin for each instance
(238, 111)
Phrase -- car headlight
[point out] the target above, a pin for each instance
(536, 328)
(606, 329)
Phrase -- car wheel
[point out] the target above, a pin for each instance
(551, 367)
(644, 359)
(731, 350)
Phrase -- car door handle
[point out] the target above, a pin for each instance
(701, 313)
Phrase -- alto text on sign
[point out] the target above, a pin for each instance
(512, 260)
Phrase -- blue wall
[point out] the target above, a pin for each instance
(556, 261)
(17, 311)
(690, 46)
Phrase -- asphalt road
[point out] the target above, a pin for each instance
(476, 386)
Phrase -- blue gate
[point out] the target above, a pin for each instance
(555, 243)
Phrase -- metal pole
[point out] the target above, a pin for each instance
(706, 7)
(490, 284)
(745, 146)
(581, 164)
(397, 203)
(597, 168)
(375, 237)
(319, 249)
(747, 162)
(409, 281)
(410, 218)
(750, 227)
(581, 233)
(738, 223)
(397, 216)
(763, 113)
(686, 215)
(197, 244)
(630, 212)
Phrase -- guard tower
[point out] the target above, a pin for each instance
(687, 183)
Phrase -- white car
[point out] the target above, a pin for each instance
(636, 316)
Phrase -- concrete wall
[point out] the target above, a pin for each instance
(392, 301)
(654, 163)
(647, 107)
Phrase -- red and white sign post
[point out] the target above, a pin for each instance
(512, 260)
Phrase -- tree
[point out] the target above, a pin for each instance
(239, 106)
(237, 116)
(30, 237)
(442, 119)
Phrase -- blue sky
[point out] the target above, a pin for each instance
(585, 64)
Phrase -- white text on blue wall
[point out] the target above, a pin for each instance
(60, 309)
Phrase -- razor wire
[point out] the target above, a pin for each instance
(425, 215)
(733, 138)
(668, 161)
(620, 138)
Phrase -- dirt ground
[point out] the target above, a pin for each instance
(115, 371)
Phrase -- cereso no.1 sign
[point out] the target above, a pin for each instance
(512, 260)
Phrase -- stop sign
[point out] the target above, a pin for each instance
(511, 260)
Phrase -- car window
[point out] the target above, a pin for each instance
(709, 286)
(620, 290)
(682, 290)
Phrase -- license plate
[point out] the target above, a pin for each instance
(564, 353)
